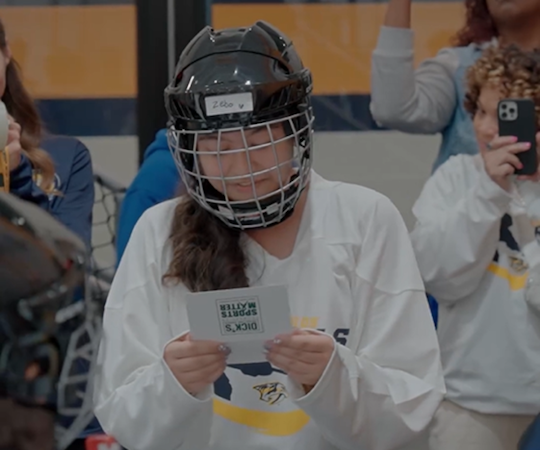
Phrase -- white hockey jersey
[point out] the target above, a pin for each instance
(352, 274)
(477, 251)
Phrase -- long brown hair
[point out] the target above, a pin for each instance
(207, 255)
(21, 106)
(479, 25)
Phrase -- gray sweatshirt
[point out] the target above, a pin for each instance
(413, 101)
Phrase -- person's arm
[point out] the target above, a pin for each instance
(137, 399)
(403, 99)
(383, 388)
(22, 185)
(457, 229)
(75, 204)
(134, 204)
(398, 14)
(157, 180)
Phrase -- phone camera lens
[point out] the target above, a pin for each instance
(504, 106)
(512, 111)
(504, 115)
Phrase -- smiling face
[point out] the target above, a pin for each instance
(247, 164)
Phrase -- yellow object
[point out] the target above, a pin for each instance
(63, 57)
(516, 282)
(4, 170)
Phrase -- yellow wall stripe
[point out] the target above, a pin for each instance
(90, 51)
(336, 40)
(75, 52)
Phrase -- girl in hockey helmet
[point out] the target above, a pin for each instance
(361, 369)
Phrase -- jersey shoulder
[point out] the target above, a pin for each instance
(156, 222)
(347, 210)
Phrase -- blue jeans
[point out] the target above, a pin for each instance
(531, 438)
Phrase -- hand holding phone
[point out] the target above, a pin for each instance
(517, 118)
(502, 160)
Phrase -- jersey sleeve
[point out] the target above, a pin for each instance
(23, 186)
(74, 206)
(137, 399)
(457, 229)
(382, 389)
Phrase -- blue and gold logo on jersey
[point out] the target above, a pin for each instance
(276, 415)
(271, 393)
(38, 180)
(517, 272)
(267, 420)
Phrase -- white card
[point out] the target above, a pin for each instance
(244, 319)
(218, 105)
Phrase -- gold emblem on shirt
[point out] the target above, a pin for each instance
(271, 393)
(518, 265)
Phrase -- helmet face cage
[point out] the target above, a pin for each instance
(62, 346)
(75, 387)
(259, 210)
(49, 325)
(228, 85)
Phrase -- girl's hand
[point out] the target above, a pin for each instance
(196, 364)
(302, 355)
(501, 161)
(535, 176)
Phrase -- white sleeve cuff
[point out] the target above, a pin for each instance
(296, 390)
(394, 41)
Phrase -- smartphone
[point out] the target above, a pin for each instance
(517, 117)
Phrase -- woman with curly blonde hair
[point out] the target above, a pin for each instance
(478, 255)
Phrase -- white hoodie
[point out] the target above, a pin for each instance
(476, 248)
(352, 274)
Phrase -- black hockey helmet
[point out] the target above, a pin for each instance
(41, 265)
(240, 79)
